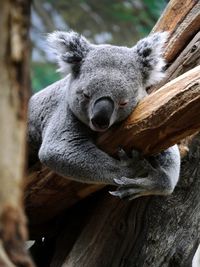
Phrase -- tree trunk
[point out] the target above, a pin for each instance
(14, 91)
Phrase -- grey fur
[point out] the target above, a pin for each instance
(60, 126)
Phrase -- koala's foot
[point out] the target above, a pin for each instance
(158, 182)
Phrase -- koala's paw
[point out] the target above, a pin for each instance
(133, 188)
(157, 182)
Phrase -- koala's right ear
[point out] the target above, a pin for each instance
(70, 48)
(150, 57)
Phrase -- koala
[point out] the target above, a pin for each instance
(101, 87)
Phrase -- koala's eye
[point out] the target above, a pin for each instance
(86, 96)
(123, 103)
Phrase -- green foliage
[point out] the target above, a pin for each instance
(155, 7)
(43, 74)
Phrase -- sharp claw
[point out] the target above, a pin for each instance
(134, 197)
(128, 193)
(118, 181)
(114, 193)
(118, 194)
(122, 154)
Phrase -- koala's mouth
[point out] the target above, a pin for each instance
(98, 128)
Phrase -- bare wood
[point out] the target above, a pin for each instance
(51, 189)
(45, 188)
(182, 20)
(188, 58)
(14, 88)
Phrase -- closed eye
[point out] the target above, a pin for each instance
(123, 103)
(86, 96)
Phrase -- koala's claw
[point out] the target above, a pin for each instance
(135, 155)
(128, 193)
(122, 155)
(133, 188)
(125, 182)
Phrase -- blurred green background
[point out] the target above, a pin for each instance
(113, 22)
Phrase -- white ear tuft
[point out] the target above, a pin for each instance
(70, 49)
(150, 57)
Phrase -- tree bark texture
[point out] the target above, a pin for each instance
(182, 20)
(14, 91)
(44, 189)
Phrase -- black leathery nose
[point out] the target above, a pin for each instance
(102, 112)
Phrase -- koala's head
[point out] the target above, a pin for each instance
(106, 81)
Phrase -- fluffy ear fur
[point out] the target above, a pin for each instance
(151, 62)
(70, 48)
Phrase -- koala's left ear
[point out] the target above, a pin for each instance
(70, 48)
(150, 57)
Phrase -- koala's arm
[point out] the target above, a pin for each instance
(67, 148)
(69, 151)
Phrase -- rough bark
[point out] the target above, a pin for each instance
(182, 20)
(14, 88)
(45, 188)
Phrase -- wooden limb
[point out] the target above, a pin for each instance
(188, 59)
(42, 198)
(14, 89)
(44, 189)
(182, 20)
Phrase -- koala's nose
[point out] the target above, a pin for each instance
(102, 112)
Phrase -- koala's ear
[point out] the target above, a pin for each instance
(150, 57)
(70, 48)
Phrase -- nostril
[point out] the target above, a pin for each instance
(100, 122)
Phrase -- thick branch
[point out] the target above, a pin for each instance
(182, 20)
